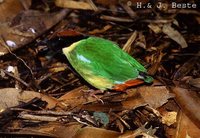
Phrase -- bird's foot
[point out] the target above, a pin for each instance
(93, 93)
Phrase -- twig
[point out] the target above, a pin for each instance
(158, 21)
(127, 46)
(38, 118)
(72, 81)
(184, 11)
(131, 13)
(116, 19)
(123, 121)
(42, 78)
(170, 11)
(49, 112)
(18, 79)
(2, 41)
(93, 5)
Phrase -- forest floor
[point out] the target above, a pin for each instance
(42, 96)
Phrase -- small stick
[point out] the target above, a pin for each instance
(158, 21)
(127, 46)
(18, 79)
(56, 89)
(49, 112)
(37, 117)
(122, 120)
(128, 9)
(2, 42)
(116, 19)
(93, 5)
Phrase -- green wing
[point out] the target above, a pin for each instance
(102, 63)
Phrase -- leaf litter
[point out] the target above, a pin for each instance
(41, 95)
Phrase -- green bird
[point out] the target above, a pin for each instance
(104, 65)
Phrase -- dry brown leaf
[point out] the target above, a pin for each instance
(62, 131)
(25, 27)
(154, 96)
(10, 8)
(185, 68)
(195, 82)
(67, 131)
(186, 128)
(92, 132)
(74, 4)
(134, 100)
(77, 97)
(102, 107)
(11, 97)
(174, 35)
(54, 129)
(189, 102)
(141, 131)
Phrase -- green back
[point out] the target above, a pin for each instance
(102, 58)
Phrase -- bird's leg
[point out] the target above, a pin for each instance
(93, 93)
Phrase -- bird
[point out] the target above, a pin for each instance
(104, 65)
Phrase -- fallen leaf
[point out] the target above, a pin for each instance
(133, 100)
(55, 129)
(189, 102)
(186, 127)
(10, 8)
(67, 131)
(73, 4)
(154, 96)
(141, 131)
(174, 35)
(106, 107)
(185, 68)
(77, 97)
(25, 27)
(195, 82)
(92, 132)
(11, 97)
